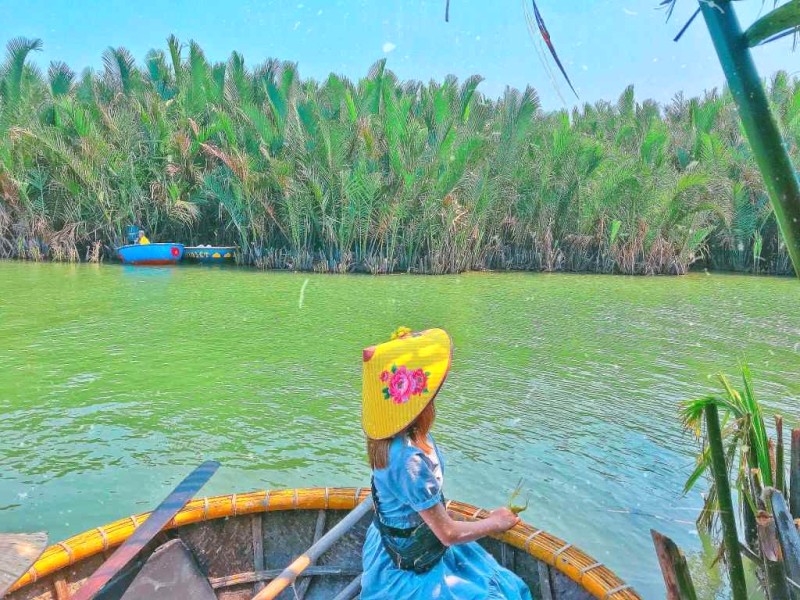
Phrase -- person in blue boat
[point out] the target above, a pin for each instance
(413, 548)
(142, 239)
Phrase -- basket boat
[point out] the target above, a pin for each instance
(150, 254)
(210, 254)
(239, 542)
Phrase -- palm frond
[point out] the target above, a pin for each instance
(61, 78)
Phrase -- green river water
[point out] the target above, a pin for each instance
(116, 381)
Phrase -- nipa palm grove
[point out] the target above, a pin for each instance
(378, 175)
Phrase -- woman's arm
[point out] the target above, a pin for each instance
(451, 532)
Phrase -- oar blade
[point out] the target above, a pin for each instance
(157, 520)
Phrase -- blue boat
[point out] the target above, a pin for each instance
(211, 254)
(150, 254)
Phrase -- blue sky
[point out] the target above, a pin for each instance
(605, 44)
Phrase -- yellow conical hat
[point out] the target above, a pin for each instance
(401, 377)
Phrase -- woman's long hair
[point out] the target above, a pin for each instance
(378, 450)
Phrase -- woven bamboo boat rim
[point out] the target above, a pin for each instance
(591, 575)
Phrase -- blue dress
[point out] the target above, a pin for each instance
(412, 482)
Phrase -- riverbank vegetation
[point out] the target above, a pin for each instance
(741, 460)
(378, 175)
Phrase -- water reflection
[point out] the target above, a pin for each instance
(146, 273)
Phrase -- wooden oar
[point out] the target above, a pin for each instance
(18, 551)
(290, 573)
(351, 591)
(148, 530)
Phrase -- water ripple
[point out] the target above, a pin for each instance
(115, 381)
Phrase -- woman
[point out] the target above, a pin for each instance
(413, 548)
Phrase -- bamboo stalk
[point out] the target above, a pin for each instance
(788, 537)
(762, 132)
(755, 506)
(726, 514)
(351, 591)
(676, 573)
(794, 475)
(751, 503)
(268, 575)
(749, 508)
(300, 564)
(772, 557)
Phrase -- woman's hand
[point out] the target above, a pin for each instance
(451, 532)
(503, 519)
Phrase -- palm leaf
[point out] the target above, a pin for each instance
(782, 21)
(701, 469)
(746, 437)
(61, 78)
(17, 51)
(120, 65)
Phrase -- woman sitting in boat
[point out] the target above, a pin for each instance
(414, 549)
(142, 239)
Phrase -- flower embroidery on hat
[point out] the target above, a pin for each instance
(402, 383)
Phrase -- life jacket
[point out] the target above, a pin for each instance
(414, 549)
